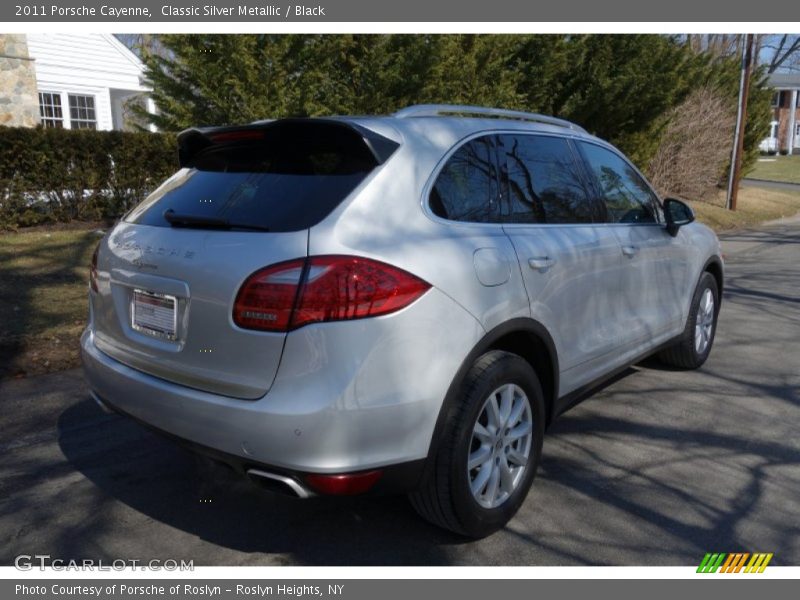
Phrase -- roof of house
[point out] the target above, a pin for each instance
(784, 81)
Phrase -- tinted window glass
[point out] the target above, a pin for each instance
(466, 189)
(542, 181)
(626, 195)
(281, 183)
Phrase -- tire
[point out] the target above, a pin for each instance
(446, 496)
(688, 352)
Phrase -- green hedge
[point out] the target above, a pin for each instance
(49, 175)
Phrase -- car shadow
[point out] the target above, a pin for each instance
(615, 470)
(160, 479)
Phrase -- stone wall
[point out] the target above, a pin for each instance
(19, 99)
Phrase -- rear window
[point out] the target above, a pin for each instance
(283, 178)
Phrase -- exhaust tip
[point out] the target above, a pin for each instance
(99, 401)
(278, 483)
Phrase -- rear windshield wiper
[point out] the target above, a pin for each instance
(202, 222)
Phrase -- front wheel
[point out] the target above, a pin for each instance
(490, 450)
(694, 346)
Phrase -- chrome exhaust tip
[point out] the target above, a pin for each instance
(99, 401)
(278, 483)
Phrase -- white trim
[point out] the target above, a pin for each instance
(792, 142)
(65, 109)
(64, 113)
(124, 50)
(151, 108)
(94, 109)
(66, 117)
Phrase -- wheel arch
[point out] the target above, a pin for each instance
(714, 266)
(524, 337)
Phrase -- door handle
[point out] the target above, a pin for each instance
(541, 263)
(630, 251)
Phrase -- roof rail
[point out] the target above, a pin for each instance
(435, 110)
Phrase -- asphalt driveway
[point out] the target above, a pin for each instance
(658, 468)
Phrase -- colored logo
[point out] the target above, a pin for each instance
(735, 562)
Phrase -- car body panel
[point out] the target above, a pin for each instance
(348, 395)
(575, 297)
(203, 270)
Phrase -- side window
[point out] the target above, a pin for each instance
(541, 181)
(466, 189)
(627, 197)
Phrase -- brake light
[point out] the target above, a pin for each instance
(289, 295)
(236, 136)
(93, 268)
(265, 301)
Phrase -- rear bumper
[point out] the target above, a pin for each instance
(398, 478)
(348, 397)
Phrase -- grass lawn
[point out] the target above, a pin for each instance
(44, 279)
(777, 168)
(755, 205)
(43, 299)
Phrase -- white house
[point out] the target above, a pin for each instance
(785, 128)
(82, 80)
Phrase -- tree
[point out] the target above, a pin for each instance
(200, 79)
(779, 52)
(620, 87)
(223, 79)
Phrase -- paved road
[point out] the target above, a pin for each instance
(780, 185)
(658, 468)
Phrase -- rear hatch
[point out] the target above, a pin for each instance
(167, 276)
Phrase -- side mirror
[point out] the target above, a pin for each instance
(677, 214)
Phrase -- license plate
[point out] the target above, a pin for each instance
(154, 314)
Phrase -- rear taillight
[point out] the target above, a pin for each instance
(289, 295)
(265, 301)
(93, 269)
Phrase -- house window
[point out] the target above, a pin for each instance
(81, 112)
(776, 100)
(50, 109)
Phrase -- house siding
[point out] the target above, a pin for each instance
(19, 101)
(85, 64)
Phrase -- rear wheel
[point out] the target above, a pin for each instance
(490, 450)
(694, 346)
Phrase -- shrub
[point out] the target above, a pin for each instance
(60, 174)
(695, 147)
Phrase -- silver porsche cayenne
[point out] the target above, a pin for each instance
(399, 303)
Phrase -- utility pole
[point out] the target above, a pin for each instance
(741, 119)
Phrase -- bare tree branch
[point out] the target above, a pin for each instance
(779, 59)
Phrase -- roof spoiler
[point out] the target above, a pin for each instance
(194, 140)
